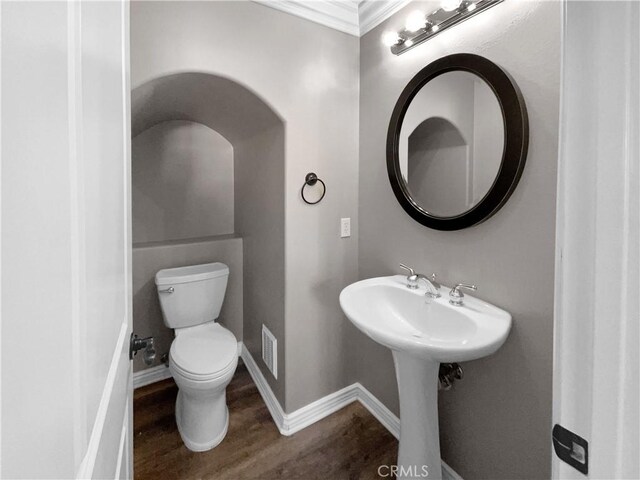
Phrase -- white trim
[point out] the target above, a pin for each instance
(276, 411)
(597, 274)
(339, 15)
(126, 454)
(353, 17)
(385, 416)
(89, 460)
(1, 246)
(76, 206)
(290, 423)
(123, 442)
(449, 473)
(321, 408)
(372, 13)
(150, 375)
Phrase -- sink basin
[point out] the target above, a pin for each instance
(422, 333)
(407, 321)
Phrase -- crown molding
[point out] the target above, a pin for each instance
(355, 17)
(372, 13)
(336, 14)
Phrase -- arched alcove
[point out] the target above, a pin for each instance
(438, 165)
(182, 183)
(218, 102)
(208, 177)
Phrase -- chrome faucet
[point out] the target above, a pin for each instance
(456, 296)
(433, 287)
(413, 278)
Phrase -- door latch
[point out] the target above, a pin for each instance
(571, 448)
(136, 344)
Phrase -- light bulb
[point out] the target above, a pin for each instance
(471, 7)
(435, 28)
(450, 5)
(390, 39)
(415, 21)
(408, 43)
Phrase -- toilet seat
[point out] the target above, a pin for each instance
(204, 353)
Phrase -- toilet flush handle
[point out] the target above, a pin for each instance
(167, 290)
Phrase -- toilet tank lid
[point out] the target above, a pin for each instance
(193, 273)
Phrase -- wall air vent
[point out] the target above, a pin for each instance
(270, 351)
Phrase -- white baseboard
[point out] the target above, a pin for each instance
(449, 473)
(150, 375)
(290, 423)
(379, 410)
(276, 411)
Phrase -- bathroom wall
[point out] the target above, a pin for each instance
(259, 156)
(308, 74)
(496, 422)
(182, 183)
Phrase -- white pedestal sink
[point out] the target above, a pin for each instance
(422, 333)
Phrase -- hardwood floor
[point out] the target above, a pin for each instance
(350, 444)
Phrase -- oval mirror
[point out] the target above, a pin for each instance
(457, 142)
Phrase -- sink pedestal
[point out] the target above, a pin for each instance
(419, 436)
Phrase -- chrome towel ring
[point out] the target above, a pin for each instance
(311, 179)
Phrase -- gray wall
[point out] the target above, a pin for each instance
(259, 161)
(182, 182)
(150, 257)
(308, 75)
(496, 422)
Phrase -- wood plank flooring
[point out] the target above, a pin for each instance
(350, 444)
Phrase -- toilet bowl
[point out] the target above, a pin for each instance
(204, 355)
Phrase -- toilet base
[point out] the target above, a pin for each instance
(208, 444)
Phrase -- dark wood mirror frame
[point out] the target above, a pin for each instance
(516, 141)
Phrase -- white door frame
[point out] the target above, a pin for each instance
(109, 448)
(598, 242)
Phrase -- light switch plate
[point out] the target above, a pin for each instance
(345, 227)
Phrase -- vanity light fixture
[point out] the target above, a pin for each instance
(391, 38)
(415, 21)
(420, 27)
(450, 5)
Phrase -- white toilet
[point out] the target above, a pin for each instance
(204, 354)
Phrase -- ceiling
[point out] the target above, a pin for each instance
(355, 17)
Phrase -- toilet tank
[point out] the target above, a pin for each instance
(191, 295)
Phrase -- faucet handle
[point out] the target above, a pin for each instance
(412, 278)
(411, 271)
(456, 296)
